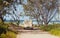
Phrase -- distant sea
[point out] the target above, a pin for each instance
(34, 21)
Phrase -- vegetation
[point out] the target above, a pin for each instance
(55, 32)
(5, 32)
(53, 29)
(3, 28)
(9, 5)
(41, 10)
(9, 34)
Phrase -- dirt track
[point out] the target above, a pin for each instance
(35, 34)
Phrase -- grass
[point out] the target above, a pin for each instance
(55, 32)
(53, 29)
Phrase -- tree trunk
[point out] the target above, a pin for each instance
(18, 22)
(1, 19)
(46, 24)
(38, 22)
(1, 16)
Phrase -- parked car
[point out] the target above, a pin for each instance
(28, 28)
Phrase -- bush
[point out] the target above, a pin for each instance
(50, 27)
(53, 29)
(3, 36)
(4, 31)
(8, 35)
(3, 28)
(44, 28)
(55, 32)
(11, 34)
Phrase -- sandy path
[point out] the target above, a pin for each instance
(35, 35)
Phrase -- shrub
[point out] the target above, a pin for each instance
(8, 35)
(4, 31)
(55, 32)
(53, 29)
(3, 28)
(3, 36)
(50, 27)
(11, 34)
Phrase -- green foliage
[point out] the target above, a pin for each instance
(5, 32)
(53, 29)
(3, 36)
(55, 32)
(0, 1)
(46, 28)
(49, 27)
(9, 34)
(3, 28)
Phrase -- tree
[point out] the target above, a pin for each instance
(6, 8)
(41, 10)
(3, 4)
(12, 10)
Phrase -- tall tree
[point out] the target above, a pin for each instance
(6, 7)
(43, 10)
(2, 5)
(12, 10)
